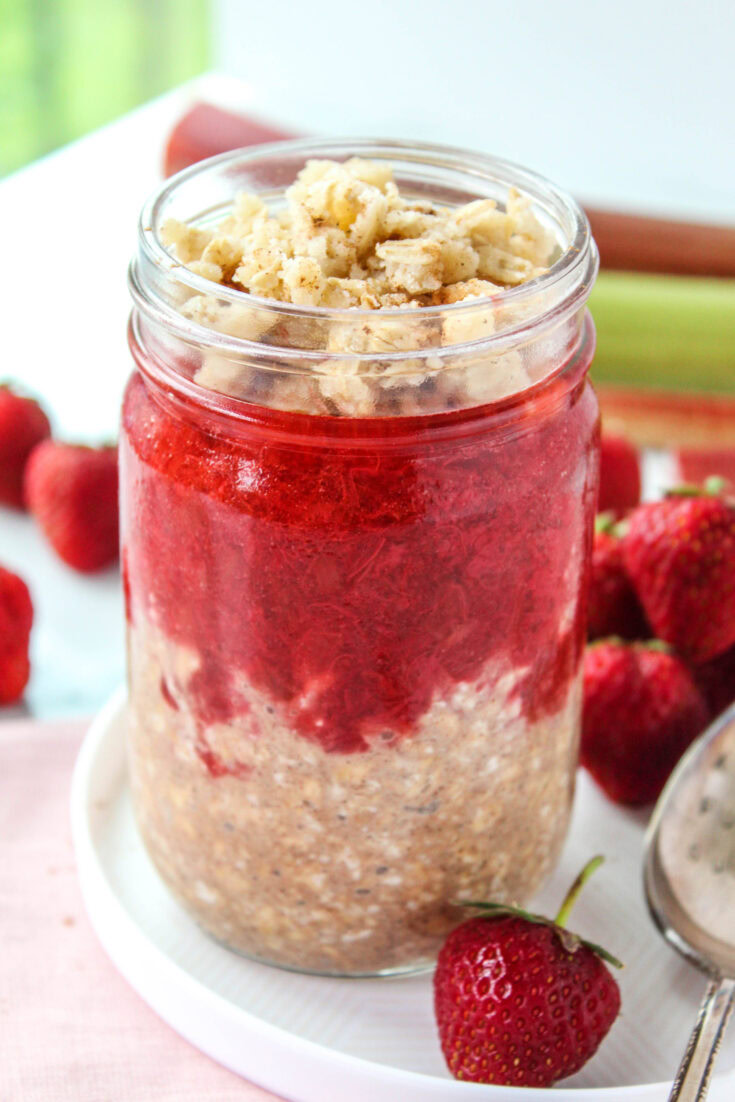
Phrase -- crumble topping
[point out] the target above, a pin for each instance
(347, 238)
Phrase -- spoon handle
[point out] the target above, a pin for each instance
(692, 1079)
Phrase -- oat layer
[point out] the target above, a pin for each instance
(345, 864)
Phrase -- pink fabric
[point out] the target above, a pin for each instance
(71, 1030)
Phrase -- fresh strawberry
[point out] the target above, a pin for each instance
(680, 557)
(72, 492)
(612, 605)
(519, 1000)
(16, 617)
(620, 475)
(716, 680)
(22, 425)
(641, 711)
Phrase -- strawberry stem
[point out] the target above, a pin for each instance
(714, 486)
(654, 644)
(573, 894)
(686, 489)
(605, 522)
(571, 942)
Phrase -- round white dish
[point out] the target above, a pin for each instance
(313, 1039)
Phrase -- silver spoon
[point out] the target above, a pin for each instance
(689, 877)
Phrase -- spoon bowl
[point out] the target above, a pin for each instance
(689, 878)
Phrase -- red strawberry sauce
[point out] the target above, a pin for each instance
(354, 569)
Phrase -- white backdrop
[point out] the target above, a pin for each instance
(630, 102)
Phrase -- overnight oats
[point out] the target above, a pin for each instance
(359, 468)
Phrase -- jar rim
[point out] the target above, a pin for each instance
(563, 288)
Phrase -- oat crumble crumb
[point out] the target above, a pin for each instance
(347, 227)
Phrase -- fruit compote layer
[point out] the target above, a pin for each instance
(354, 662)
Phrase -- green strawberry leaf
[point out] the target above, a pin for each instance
(571, 942)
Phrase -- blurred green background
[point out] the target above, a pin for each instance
(68, 66)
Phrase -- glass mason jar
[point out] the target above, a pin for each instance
(355, 581)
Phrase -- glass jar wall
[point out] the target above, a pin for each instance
(355, 613)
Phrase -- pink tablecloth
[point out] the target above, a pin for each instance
(71, 1030)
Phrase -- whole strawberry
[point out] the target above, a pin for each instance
(16, 617)
(612, 605)
(72, 492)
(680, 556)
(641, 710)
(520, 1001)
(23, 424)
(716, 680)
(620, 475)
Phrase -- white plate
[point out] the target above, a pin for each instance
(322, 1040)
